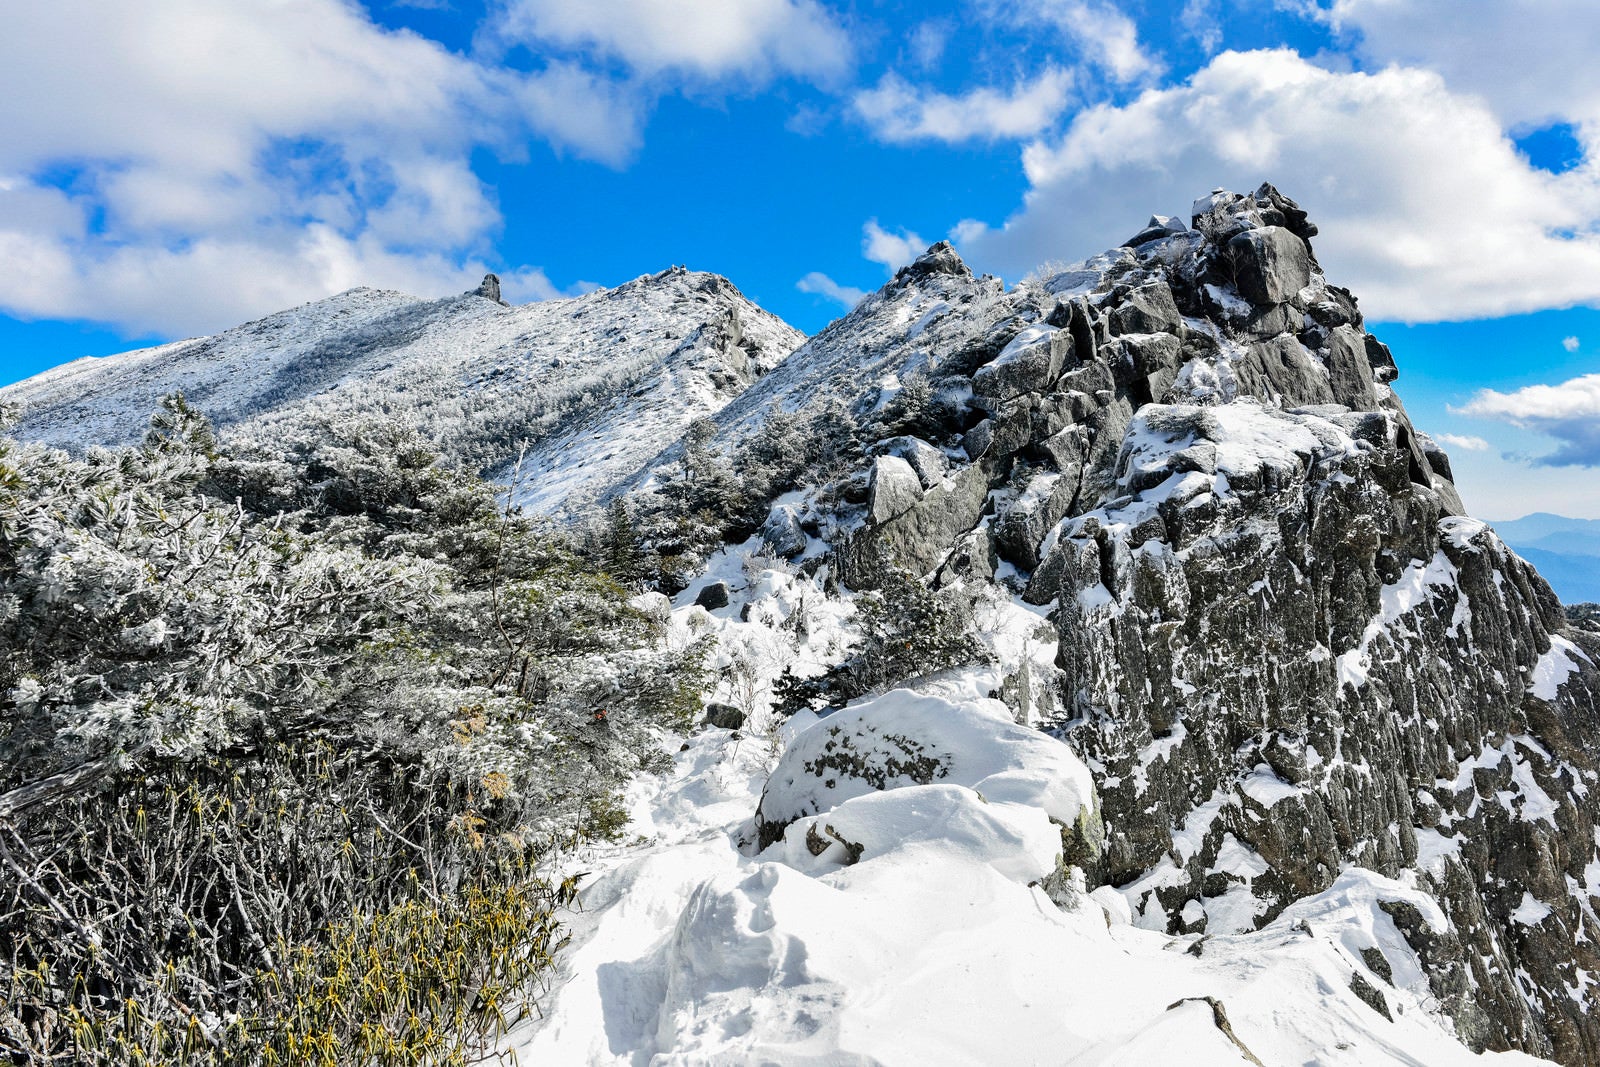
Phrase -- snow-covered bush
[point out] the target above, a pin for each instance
(246, 698)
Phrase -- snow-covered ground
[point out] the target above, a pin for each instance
(926, 924)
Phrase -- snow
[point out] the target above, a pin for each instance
(1462, 531)
(1266, 788)
(1414, 588)
(1530, 912)
(1528, 801)
(693, 948)
(895, 332)
(1161, 748)
(970, 740)
(1026, 340)
(1555, 667)
(1434, 849)
(905, 826)
(929, 923)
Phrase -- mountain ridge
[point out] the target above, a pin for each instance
(1276, 637)
(481, 378)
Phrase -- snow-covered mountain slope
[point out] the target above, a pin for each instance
(1273, 635)
(922, 915)
(594, 384)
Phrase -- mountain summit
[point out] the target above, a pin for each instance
(1273, 633)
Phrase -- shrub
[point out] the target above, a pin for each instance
(266, 714)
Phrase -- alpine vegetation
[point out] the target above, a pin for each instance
(1101, 669)
(287, 739)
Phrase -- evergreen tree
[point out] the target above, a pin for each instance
(623, 553)
(908, 629)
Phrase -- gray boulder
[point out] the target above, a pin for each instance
(1270, 265)
(1349, 373)
(713, 596)
(724, 717)
(783, 533)
(1148, 309)
(1028, 364)
(893, 488)
(929, 463)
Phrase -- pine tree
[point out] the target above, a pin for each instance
(623, 554)
(909, 629)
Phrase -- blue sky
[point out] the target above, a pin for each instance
(187, 166)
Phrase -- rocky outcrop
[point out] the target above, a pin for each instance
(1282, 646)
(489, 288)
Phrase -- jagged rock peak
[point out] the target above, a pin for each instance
(704, 283)
(1223, 213)
(1281, 645)
(489, 288)
(940, 258)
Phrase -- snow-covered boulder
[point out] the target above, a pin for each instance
(894, 488)
(1017, 840)
(905, 739)
(929, 463)
(782, 532)
(1029, 363)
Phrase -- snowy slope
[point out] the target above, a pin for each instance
(944, 940)
(931, 309)
(594, 384)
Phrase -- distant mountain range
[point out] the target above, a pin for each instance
(1566, 551)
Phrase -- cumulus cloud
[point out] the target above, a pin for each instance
(1428, 212)
(712, 39)
(819, 284)
(899, 112)
(1569, 412)
(189, 164)
(1570, 344)
(893, 250)
(1530, 61)
(1466, 442)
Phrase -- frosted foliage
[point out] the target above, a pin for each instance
(220, 671)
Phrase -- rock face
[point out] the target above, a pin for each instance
(1283, 648)
(489, 289)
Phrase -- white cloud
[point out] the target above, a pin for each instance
(819, 284)
(1570, 344)
(713, 39)
(1200, 21)
(1533, 62)
(1105, 36)
(226, 160)
(899, 112)
(1569, 412)
(1427, 210)
(928, 41)
(893, 250)
(1466, 442)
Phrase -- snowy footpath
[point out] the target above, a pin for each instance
(894, 922)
